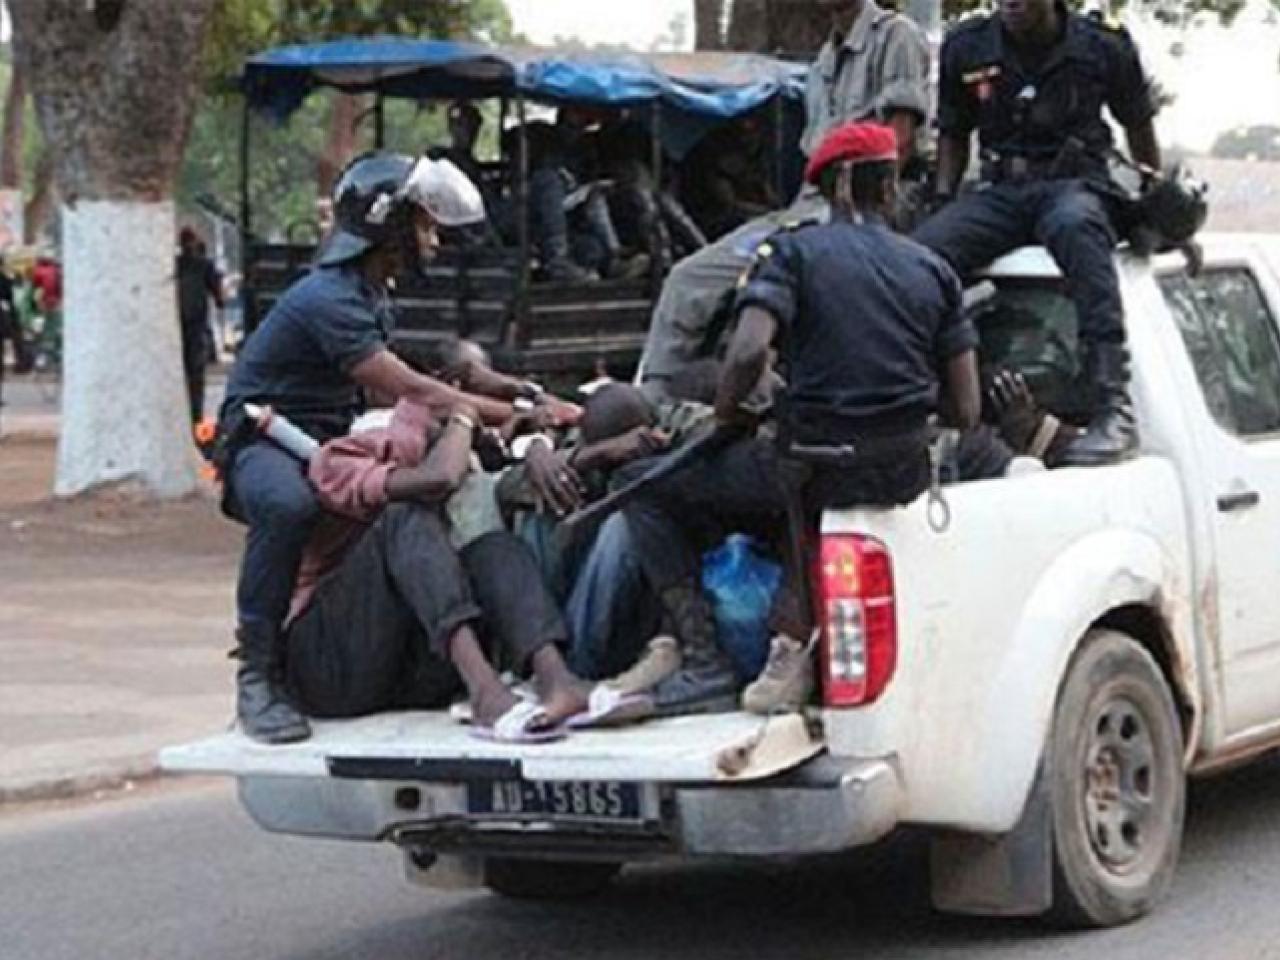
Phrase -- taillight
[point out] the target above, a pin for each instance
(858, 619)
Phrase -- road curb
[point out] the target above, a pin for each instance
(67, 786)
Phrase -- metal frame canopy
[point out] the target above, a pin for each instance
(708, 86)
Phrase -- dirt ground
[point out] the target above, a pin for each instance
(43, 536)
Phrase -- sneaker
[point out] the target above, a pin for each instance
(660, 660)
(786, 682)
(708, 685)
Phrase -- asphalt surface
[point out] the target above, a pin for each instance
(179, 872)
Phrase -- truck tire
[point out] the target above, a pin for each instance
(1117, 785)
(547, 879)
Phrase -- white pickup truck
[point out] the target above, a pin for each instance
(1032, 683)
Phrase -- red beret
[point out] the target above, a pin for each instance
(852, 143)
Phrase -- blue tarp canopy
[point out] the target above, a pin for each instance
(710, 87)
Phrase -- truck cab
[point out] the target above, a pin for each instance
(1030, 674)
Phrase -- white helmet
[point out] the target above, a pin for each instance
(445, 192)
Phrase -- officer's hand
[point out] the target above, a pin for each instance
(562, 413)
(556, 484)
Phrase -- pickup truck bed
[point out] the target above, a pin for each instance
(1033, 680)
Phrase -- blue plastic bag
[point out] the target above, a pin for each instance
(741, 584)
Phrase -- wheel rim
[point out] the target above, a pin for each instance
(1120, 784)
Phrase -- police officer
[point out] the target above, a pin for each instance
(323, 342)
(869, 328)
(1033, 81)
(875, 65)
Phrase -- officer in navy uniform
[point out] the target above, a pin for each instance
(1033, 80)
(868, 324)
(323, 341)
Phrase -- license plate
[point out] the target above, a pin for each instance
(594, 800)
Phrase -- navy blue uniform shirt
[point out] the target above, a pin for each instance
(299, 360)
(867, 318)
(1029, 111)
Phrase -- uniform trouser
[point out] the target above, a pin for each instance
(696, 288)
(1066, 216)
(269, 491)
(376, 635)
(745, 487)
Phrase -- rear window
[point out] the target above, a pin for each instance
(1030, 328)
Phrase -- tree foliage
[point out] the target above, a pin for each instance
(796, 26)
(283, 168)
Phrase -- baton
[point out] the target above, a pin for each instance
(699, 448)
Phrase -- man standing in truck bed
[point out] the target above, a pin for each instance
(875, 66)
(1032, 81)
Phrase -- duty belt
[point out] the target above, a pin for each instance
(858, 451)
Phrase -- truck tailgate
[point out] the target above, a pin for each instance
(727, 747)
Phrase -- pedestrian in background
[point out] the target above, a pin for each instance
(198, 280)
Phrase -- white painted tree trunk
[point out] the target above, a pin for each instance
(124, 416)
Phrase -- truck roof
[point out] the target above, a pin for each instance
(1035, 263)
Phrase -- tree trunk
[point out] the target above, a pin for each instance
(15, 102)
(40, 200)
(341, 143)
(796, 27)
(708, 24)
(115, 84)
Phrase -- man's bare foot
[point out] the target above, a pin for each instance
(562, 697)
(490, 703)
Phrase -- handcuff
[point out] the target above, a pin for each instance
(937, 510)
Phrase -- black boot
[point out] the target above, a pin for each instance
(705, 682)
(264, 712)
(1113, 432)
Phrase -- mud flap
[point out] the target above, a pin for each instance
(1010, 875)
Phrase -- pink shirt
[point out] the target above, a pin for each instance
(349, 475)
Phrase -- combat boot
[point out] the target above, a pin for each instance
(264, 712)
(1112, 434)
(705, 682)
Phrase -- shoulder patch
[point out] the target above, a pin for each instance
(1106, 22)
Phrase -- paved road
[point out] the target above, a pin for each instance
(179, 873)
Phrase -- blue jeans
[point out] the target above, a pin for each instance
(611, 611)
(270, 491)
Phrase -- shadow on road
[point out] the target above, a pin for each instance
(869, 904)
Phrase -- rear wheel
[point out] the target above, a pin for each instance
(547, 879)
(1117, 787)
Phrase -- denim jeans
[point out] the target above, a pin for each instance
(611, 610)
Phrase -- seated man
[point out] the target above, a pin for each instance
(726, 183)
(386, 614)
(1033, 81)
(862, 386)
(465, 123)
(611, 611)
